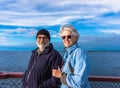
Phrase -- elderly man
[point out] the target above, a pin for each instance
(43, 59)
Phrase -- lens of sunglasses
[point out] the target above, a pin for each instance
(63, 37)
(68, 37)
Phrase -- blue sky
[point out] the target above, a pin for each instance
(98, 22)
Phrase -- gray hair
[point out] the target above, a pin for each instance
(70, 28)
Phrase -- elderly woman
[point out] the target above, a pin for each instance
(75, 70)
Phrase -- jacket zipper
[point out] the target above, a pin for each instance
(29, 74)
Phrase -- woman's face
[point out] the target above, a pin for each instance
(68, 38)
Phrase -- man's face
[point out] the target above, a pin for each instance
(68, 38)
(42, 41)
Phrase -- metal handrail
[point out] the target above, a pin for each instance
(104, 78)
(5, 75)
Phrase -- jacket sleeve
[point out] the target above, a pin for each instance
(53, 82)
(79, 78)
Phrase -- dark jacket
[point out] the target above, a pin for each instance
(39, 71)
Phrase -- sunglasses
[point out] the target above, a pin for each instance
(68, 37)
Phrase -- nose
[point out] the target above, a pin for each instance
(66, 39)
(42, 39)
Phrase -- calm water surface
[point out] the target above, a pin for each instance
(102, 63)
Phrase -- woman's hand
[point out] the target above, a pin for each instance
(57, 73)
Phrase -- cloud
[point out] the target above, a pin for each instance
(14, 37)
(3, 39)
(18, 32)
(54, 33)
(39, 19)
(40, 13)
(117, 32)
(19, 36)
(90, 15)
(96, 42)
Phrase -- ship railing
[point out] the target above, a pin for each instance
(14, 80)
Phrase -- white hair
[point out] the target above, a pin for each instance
(70, 28)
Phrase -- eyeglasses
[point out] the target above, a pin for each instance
(68, 37)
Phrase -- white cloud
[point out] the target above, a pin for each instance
(54, 34)
(23, 32)
(45, 12)
(3, 39)
(17, 36)
(39, 19)
(111, 31)
(103, 42)
(20, 36)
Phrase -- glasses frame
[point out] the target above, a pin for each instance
(66, 36)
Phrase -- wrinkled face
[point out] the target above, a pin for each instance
(42, 41)
(68, 38)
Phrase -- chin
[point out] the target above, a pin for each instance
(66, 46)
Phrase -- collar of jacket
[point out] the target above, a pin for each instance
(47, 49)
(71, 48)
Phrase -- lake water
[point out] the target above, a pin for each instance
(102, 63)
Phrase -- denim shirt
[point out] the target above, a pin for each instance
(78, 60)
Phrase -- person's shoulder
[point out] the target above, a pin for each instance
(80, 50)
(55, 51)
(35, 50)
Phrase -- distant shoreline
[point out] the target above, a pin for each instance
(62, 50)
(103, 50)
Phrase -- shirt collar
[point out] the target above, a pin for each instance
(71, 48)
